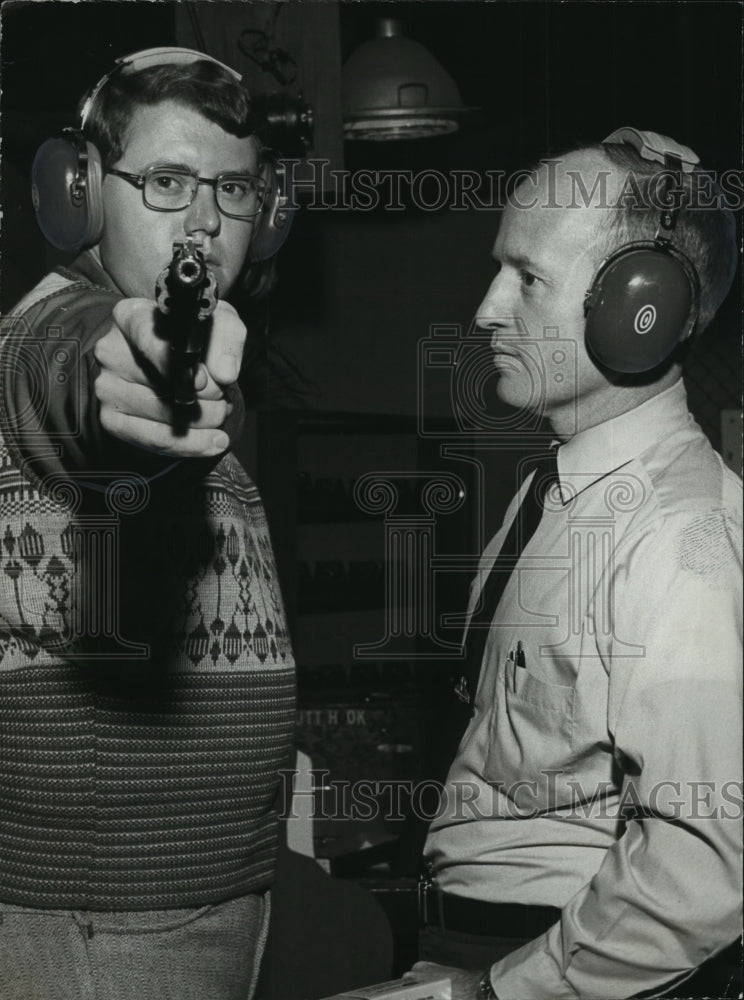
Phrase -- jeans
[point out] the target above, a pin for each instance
(209, 953)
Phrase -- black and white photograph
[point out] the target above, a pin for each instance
(371, 500)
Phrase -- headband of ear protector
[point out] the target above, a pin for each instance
(67, 172)
(644, 299)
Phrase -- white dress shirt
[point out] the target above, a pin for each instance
(625, 611)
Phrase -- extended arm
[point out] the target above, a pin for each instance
(668, 894)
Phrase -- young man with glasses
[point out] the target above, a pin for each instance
(145, 667)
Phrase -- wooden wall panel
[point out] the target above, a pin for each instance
(308, 32)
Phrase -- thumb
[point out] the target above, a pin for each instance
(226, 343)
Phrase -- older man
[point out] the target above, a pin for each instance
(588, 843)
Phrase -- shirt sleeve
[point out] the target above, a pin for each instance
(668, 894)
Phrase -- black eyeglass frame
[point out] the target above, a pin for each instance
(139, 181)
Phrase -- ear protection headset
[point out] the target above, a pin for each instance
(644, 299)
(67, 172)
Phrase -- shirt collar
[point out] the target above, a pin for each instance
(594, 453)
(88, 265)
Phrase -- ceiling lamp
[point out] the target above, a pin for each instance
(393, 88)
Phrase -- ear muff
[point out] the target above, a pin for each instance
(642, 303)
(67, 172)
(66, 181)
(645, 297)
(66, 191)
(277, 214)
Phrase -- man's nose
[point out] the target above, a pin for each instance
(496, 310)
(202, 215)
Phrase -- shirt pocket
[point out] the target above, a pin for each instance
(532, 734)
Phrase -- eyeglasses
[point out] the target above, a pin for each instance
(170, 189)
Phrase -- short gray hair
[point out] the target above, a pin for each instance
(705, 235)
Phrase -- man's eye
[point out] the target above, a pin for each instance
(236, 188)
(167, 183)
(528, 279)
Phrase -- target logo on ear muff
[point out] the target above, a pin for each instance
(642, 303)
(644, 319)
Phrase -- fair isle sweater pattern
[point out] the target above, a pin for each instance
(131, 781)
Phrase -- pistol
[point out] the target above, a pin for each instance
(186, 293)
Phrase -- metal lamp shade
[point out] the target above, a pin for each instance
(393, 88)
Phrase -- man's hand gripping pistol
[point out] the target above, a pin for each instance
(186, 294)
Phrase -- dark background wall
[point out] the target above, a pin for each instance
(359, 290)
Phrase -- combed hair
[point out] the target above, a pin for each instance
(201, 85)
(705, 235)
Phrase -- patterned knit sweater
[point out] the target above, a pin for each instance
(146, 677)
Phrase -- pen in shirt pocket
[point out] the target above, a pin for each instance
(510, 671)
(516, 660)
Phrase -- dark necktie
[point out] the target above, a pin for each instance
(522, 529)
(450, 732)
